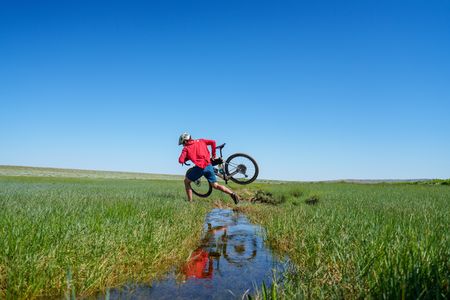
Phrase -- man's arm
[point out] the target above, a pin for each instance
(212, 143)
(182, 158)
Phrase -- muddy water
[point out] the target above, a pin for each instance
(231, 261)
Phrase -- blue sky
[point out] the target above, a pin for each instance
(314, 90)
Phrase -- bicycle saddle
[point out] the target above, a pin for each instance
(221, 146)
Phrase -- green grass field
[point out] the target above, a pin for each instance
(103, 232)
(362, 241)
(354, 241)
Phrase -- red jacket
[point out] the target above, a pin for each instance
(197, 152)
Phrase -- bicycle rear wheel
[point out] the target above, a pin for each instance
(241, 168)
(200, 187)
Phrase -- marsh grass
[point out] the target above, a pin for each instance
(67, 237)
(101, 232)
(361, 241)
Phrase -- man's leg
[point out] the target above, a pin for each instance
(226, 190)
(187, 185)
(208, 172)
(222, 188)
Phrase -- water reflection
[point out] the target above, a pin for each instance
(231, 260)
(199, 266)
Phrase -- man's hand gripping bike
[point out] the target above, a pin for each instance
(239, 168)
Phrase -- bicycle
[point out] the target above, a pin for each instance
(240, 168)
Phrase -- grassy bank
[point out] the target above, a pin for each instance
(352, 241)
(102, 232)
(361, 241)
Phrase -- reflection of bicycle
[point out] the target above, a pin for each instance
(237, 248)
(239, 168)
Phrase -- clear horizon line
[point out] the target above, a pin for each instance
(259, 179)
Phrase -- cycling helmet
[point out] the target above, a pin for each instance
(183, 138)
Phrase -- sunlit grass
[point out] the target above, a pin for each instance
(102, 232)
(377, 241)
(79, 236)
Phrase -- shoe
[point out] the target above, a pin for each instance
(235, 198)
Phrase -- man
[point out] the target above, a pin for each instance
(197, 152)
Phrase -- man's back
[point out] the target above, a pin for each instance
(197, 152)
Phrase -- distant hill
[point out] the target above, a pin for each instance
(75, 173)
(369, 181)
(393, 181)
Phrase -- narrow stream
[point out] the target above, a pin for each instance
(231, 261)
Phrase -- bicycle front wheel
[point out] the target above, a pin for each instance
(200, 187)
(241, 168)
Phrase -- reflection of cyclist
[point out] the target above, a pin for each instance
(196, 266)
(200, 263)
(197, 152)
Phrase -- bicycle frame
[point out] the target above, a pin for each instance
(222, 174)
(220, 167)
